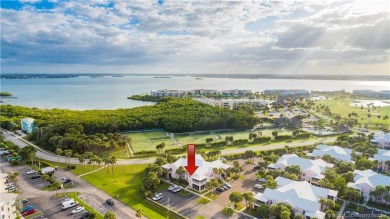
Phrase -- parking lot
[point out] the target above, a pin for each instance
(38, 182)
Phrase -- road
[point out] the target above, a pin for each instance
(9, 136)
(90, 194)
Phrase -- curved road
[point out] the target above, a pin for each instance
(46, 155)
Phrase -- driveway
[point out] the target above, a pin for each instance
(89, 194)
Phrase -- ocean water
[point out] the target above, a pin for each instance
(109, 92)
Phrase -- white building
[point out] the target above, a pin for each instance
(382, 156)
(301, 195)
(312, 170)
(236, 92)
(382, 140)
(7, 200)
(337, 152)
(367, 180)
(27, 125)
(201, 176)
(168, 93)
(202, 92)
(209, 101)
(233, 103)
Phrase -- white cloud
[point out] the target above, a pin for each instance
(198, 37)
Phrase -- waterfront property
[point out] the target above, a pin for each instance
(312, 170)
(202, 92)
(367, 180)
(201, 176)
(293, 94)
(27, 125)
(168, 93)
(337, 152)
(301, 195)
(382, 156)
(233, 103)
(236, 93)
(371, 93)
(383, 140)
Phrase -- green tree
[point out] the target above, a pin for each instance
(263, 211)
(110, 215)
(235, 197)
(45, 177)
(249, 198)
(68, 153)
(59, 152)
(56, 185)
(180, 172)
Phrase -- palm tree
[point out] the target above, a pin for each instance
(45, 177)
(13, 176)
(68, 154)
(58, 152)
(56, 184)
(180, 171)
(140, 212)
(110, 215)
(113, 160)
(249, 198)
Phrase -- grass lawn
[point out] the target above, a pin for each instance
(125, 185)
(343, 108)
(144, 141)
(118, 152)
(80, 169)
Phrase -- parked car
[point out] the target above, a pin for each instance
(68, 204)
(227, 185)
(66, 200)
(77, 210)
(35, 176)
(262, 180)
(173, 187)
(352, 214)
(30, 172)
(32, 211)
(110, 202)
(220, 189)
(256, 168)
(178, 189)
(258, 186)
(28, 208)
(66, 180)
(24, 201)
(158, 197)
(85, 215)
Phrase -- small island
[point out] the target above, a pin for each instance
(5, 94)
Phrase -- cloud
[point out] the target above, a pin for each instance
(196, 37)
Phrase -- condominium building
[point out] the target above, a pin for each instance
(293, 94)
(301, 195)
(367, 180)
(168, 93)
(236, 92)
(383, 140)
(382, 156)
(232, 103)
(202, 92)
(337, 152)
(201, 176)
(27, 125)
(312, 170)
(7, 205)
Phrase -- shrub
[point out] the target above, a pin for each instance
(261, 140)
(282, 137)
(203, 201)
(15, 162)
(239, 206)
(71, 167)
(227, 212)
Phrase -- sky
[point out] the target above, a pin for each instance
(223, 37)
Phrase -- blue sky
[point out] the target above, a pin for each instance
(102, 36)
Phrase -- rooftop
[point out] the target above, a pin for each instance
(337, 152)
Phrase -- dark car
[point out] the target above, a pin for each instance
(220, 189)
(24, 201)
(35, 176)
(256, 168)
(85, 215)
(28, 208)
(110, 202)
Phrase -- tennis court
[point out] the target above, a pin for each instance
(147, 141)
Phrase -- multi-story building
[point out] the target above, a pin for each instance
(367, 180)
(382, 140)
(7, 200)
(209, 101)
(233, 103)
(27, 125)
(301, 195)
(202, 92)
(236, 92)
(201, 176)
(293, 94)
(312, 170)
(338, 153)
(168, 93)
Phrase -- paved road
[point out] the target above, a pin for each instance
(9, 136)
(90, 194)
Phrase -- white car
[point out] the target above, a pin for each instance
(66, 200)
(262, 180)
(170, 188)
(158, 197)
(179, 188)
(78, 210)
(30, 172)
(258, 186)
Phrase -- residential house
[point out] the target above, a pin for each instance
(312, 170)
(383, 140)
(367, 180)
(201, 176)
(301, 195)
(382, 156)
(337, 152)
